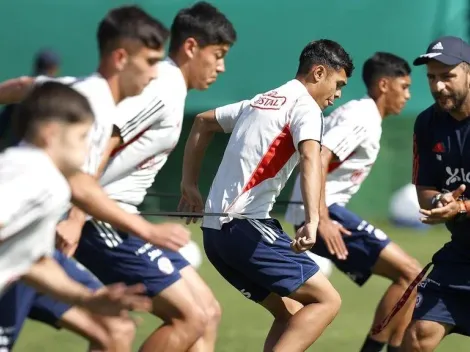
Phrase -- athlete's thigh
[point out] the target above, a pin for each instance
(394, 263)
(114, 256)
(200, 290)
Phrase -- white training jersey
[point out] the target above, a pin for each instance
(150, 126)
(262, 150)
(96, 89)
(352, 133)
(33, 196)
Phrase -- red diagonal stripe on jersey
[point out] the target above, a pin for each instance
(122, 146)
(335, 164)
(279, 152)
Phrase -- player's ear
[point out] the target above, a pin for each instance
(190, 46)
(383, 84)
(120, 58)
(318, 73)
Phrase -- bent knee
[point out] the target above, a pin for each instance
(213, 312)
(195, 322)
(422, 336)
(409, 271)
(121, 329)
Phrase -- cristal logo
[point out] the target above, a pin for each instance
(457, 175)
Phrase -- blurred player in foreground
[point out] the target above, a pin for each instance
(53, 121)
(350, 147)
(201, 36)
(441, 166)
(130, 44)
(270, 134)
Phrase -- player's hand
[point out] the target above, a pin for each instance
(68, 234)
(115, 300)
(305, 237)
(191, 201)
(332, 233)
(169, 235)
(446, 209)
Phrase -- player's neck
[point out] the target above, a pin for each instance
(111, 76)
(380, 103)
(183, 64)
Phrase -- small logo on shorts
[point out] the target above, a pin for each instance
(165, 266)
(380, 235)
(419, 300)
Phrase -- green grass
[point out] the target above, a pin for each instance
(244, 324)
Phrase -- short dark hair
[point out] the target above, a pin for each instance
(383, 64)
(50, 101)
(203, 22)
(130, 22)
(325, 52)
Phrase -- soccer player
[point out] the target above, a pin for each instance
(201, 36)
(54, 121)
(270, 134)
(441, 167)
(350, 147)
(130, 44)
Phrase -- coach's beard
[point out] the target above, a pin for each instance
(443, 101)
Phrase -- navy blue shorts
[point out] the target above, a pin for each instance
(21, 301)
(443, 297)
(116, 256)
(255, 257)
(364, 245)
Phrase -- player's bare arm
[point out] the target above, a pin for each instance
(47, 276)
(202, 131)
(330, 231)
(69, 230)
(91, 198)
(14, 90)
(311, 185)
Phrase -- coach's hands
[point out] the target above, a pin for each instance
(114, 300)
(68, 234)
(191, 201)
(446, 209)
(332, 233)
(169, 235)
(305, 237)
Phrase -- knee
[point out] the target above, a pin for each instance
(418, 338)
(334, 302)
(410, 270)
(195, 323)
(213, 312)
(121, 330)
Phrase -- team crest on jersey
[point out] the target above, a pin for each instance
(269, 101)
(419, 300)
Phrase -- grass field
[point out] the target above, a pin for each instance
(244, 325)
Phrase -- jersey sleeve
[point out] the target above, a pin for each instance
(424, 168)
(227, 116)
(344, 133)
(306, 121)
(21, 197)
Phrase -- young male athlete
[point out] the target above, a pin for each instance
(270, 134)
(130, 44)
(53, 121)
(350, 147)
(201, 36)
(441, 164)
